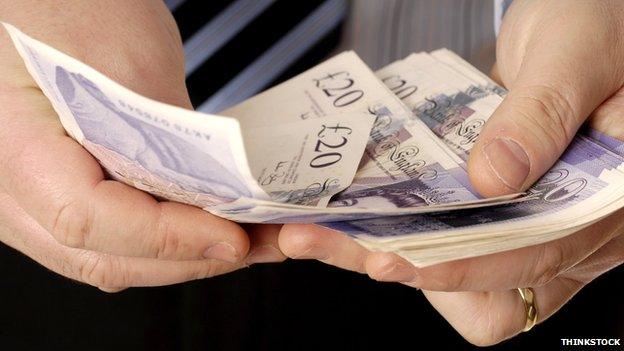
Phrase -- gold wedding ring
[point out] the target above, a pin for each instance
(528, 297)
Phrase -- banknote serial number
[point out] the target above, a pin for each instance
(339, 87)
(329, 143)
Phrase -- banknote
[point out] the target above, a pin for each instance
(579, 189)
(485, 83)
(379, 156)
(414, 86)
(395, 152)
(394, 176)
(405, 160)
(608, 142)
(340, 84)
(439, 237)
(404, 163)
(452, 106)
(307, 162)
(458, 64)
(281, 153)
(256, 211)
(194, 158)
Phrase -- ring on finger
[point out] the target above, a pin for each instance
(530, 307)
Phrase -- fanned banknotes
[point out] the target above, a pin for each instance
(193, 158)
(292, 147)
(585, 185)
(380, 156)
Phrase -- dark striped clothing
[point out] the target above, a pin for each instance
(237, 48)
(245, 46)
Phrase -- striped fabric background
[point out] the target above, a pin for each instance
(238, 48)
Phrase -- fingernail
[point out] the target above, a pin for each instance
(313, 252)
(398, 272)
(264, 254)
(223, 252)
(508, 161)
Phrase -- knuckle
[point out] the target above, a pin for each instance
(450, 276)
(169, 244)
(547, 265)
(102, 271)
(66, 267)
(207, 270)
(378, 271)
(457, 279)
(548, 111)
(298, 245)
(72, 224)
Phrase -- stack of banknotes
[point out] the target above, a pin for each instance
(380, 156)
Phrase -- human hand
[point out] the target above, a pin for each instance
(57, 207)
(561, 62)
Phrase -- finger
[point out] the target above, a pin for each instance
(63, 188)
(389, 267)
(105, 271)
(529, 266)
(264, 246)
(147, 68)
(553, 92)
(607, 118)
(315, 242)
(41, 166)
(102, 270)
(487, 318)
(604, 259)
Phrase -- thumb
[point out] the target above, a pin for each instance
(549, 100)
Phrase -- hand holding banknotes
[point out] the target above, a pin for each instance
(563, 66)
(387, 157)
(56, 205)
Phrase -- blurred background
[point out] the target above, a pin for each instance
(234, 50)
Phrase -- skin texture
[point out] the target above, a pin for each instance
(563, 64)
(56, 205)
